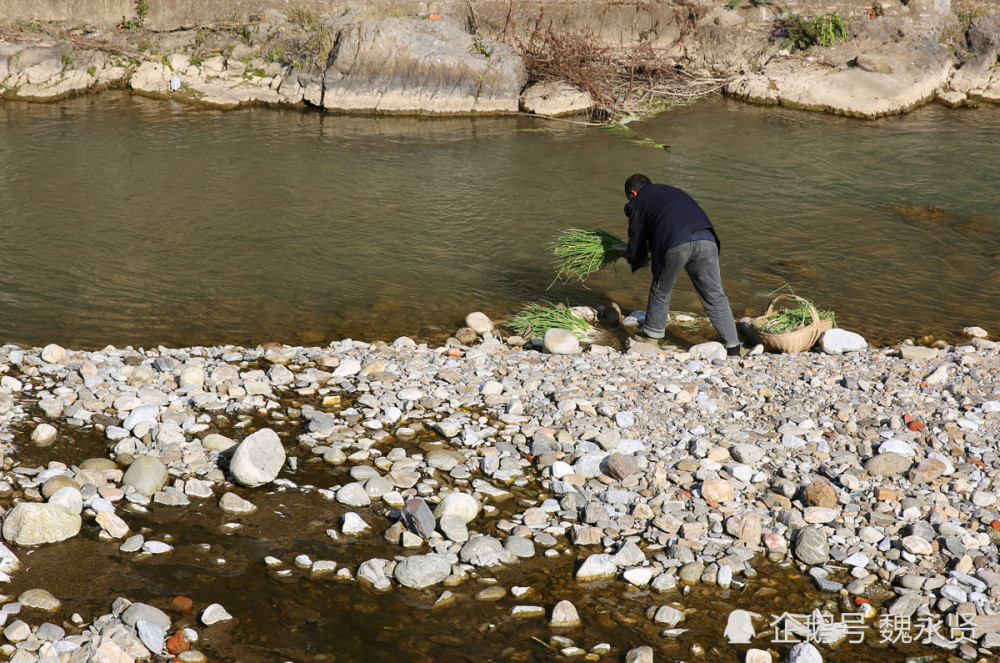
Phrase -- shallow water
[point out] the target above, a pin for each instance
(131, 221)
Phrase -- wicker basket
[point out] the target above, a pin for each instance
(799, 340)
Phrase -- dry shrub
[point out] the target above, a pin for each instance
(623, 81)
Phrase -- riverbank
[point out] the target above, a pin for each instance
(488, 58)
(436, 468)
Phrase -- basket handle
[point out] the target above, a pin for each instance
(772, 308)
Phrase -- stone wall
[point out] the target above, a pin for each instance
(615, 22)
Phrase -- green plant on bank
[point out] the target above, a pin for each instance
(251, 72)
(580, 253)
(480, 48)
(733, 4)
(536, 319)
(31, 26)
(806, 31)
(274, 55)
(138, 22)
(92, 71)
(67, 60)
(197, 60)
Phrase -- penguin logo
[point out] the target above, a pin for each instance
(739, 627)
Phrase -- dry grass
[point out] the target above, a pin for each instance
(623, 81)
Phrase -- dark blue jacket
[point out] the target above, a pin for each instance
(660, 218)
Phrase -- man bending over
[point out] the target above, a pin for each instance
(668, 225)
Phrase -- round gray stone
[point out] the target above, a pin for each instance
(812, 547)
(146, 474)
(421, 571)
(258, 459)
(32, 524)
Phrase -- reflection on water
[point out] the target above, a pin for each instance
(130, 221)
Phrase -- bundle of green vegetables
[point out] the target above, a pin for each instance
(536, 319)
(791, 318)
(580, 253)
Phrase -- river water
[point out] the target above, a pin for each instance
(131, 221)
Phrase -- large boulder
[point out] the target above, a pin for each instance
(258, 459)
(555, 99)
(408, 65)
(422, 571)
(31, 524)
(146, 474)
(889, 78)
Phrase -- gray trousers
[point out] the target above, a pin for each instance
(701, 260)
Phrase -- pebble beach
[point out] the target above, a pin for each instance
(871, 471)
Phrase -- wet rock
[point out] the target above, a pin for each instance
(485, 551)
(258, 459)
(216, 442)
(479, 322)
(353, 495)
(421, 571)
(44, 434)
(145, 612)
(519, 546)
(39, 599)
(417, 517)
(151, 635)
(462, 505)
(691, 573)
(146, 474)
(564, 615)
(812, 547)
(642, 654)
(560, 342)
(30, 524)
(213, 614)
(629, 554)
(668, 616)
(597, 567)
(233, 503)
(112, 525)
(17, 631)
(68, 497)
(454, 528)
(352, 523)
(372, 571)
